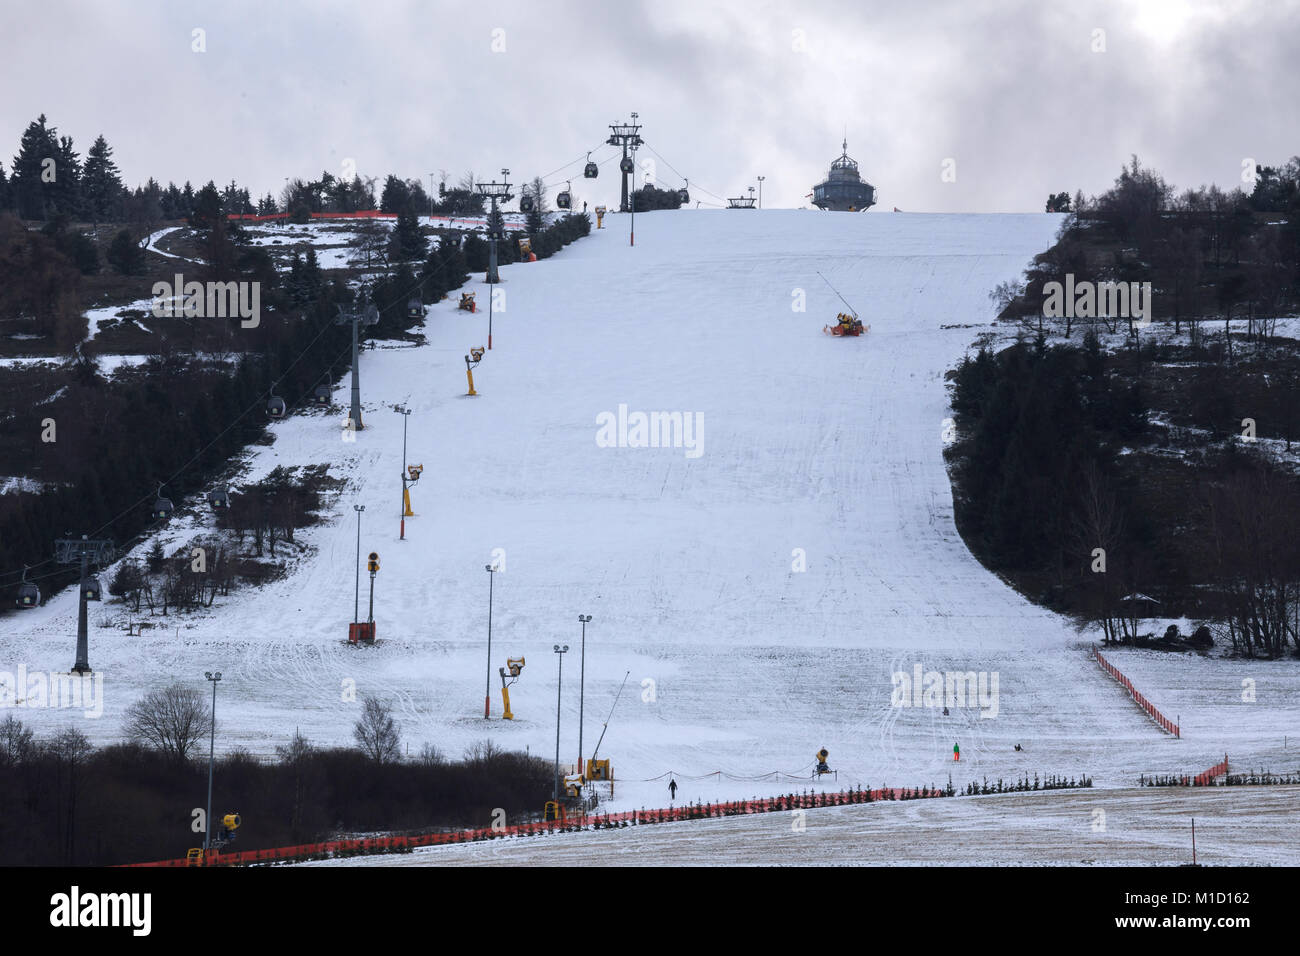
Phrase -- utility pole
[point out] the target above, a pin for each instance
(487, 689)
(212, 743)
(625, 135)
(82, 550)
(371, 317)
(356, 599)
(584, 620)
(494, 192)
(560, 651)
(760, 191)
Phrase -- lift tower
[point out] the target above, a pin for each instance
(495, 191)
(83, 550)
(625, 135)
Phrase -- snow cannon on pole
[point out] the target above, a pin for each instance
(514, 665)
(848, 324)
(471, 362)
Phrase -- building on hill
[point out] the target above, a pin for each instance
(843, 189)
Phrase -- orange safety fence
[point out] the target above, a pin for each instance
(1163, 722)
(1207, 778)
(804, 801)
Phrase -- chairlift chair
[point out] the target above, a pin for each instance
(372, 314)
(322, 395)
(626, 164)
(591, 170)
(275, 407)
(219, 498)
(163, 506)
(29, 595)
(414, 309)
(564, 199)
(526, 204)
(91, 589)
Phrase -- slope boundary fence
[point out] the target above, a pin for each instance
(699, 811)
(1163, 722)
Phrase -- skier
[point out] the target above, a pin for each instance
(672, 789)
(584, 208)
(1019, 748)
(945, 711)
(956, 752)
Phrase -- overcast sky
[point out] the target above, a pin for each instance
(1015, 93)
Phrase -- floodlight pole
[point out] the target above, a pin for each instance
(560, 652)
(356, 598)
(405, 413)
(487, 688)
(760, 191)
(583, 619)
(212, 743)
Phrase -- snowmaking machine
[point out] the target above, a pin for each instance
(515, 665)
(847, 324)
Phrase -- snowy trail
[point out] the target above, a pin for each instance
(809, 442)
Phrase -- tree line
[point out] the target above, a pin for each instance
(68, 803)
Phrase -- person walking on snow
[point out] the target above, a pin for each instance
(672, 789)
(956, 752)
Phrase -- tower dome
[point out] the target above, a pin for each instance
(844, 190)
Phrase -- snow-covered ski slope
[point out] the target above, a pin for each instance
(737, 662)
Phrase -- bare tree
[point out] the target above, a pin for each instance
(1099, 530)
(376, 732)
(172, 720)
(15, 742)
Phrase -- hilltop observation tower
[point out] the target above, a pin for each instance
(844, 190)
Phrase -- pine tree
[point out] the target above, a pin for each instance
(101, 183)
(408, 240)
(125, 255)
(30, 192)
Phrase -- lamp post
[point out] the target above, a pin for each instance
(560, 651)
(212, 743)
(487, 687)
(584, 620)
(356, 598)
(760, 191)
(405, 413)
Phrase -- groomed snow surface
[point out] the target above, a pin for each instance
(813, 447)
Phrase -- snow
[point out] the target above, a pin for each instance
(1137, 827)
(738, 663)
